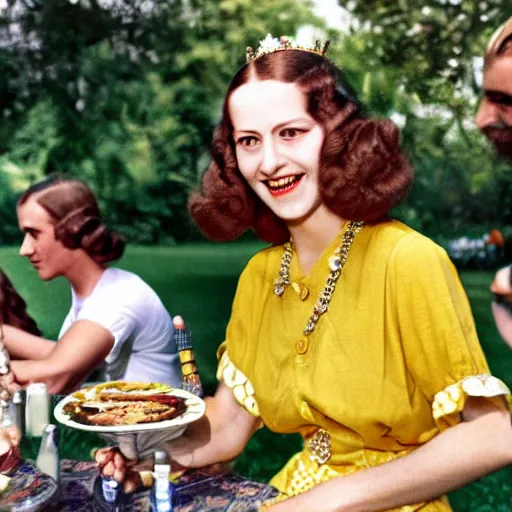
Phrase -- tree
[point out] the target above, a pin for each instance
(418, 61)
(432, 42)
(134, 90)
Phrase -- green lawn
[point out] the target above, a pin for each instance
(198, 281)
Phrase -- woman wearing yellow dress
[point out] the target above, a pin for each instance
(352, 329)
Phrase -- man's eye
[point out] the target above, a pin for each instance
(503, 100)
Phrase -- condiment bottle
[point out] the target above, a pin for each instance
(38, 409)
(110, 489)
(48, 459)
(162, 487)
(17, 411)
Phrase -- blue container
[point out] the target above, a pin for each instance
(163, 497)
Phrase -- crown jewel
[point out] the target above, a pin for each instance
(273, 44)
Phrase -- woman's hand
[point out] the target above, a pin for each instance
(10, 438)
(113, 464)
(502, 288)
(501, 284)
(178, 322)
(503, 320)
(8, 383)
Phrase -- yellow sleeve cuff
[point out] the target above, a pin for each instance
(452, 399)
(236, 380)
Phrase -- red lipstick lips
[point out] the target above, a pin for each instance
(283, 185)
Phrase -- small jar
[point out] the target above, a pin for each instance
(37, 414)
(17, 411)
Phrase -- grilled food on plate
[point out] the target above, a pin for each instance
(124, 403)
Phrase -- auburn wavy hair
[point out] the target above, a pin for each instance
(13, 309)
(78, 224)
(363, 171)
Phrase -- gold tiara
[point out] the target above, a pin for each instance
(273, 44)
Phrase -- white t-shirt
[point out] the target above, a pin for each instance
(144, 348)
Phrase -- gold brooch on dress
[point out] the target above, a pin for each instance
(320, 447)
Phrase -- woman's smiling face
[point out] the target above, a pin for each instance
(278, 146)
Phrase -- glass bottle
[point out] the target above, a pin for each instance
(17, 411)
(38, 409)
(48, 459)
(162, 487)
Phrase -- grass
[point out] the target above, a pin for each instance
(198, 281)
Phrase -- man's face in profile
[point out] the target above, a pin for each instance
(494, 116)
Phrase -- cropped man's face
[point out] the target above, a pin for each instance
(494, 116)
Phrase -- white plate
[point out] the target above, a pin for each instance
(195, 409)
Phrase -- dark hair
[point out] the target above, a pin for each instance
(78, 224)
(363, 172)
(13, 309)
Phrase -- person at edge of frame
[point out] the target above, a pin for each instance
(494, 119)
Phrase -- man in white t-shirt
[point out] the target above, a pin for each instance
(144, 347)
(116, 322)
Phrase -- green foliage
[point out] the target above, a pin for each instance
(431, 42)
(8, 230)
(126, 96)
(413, 61)
(456, 178)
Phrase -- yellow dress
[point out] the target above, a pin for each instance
(387, 367)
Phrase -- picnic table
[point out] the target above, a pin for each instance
(214, 488)
(211, 489)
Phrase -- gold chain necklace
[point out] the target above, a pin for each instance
(336, 265)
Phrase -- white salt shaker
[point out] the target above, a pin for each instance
(48, 459)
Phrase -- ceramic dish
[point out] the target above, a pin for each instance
(195, 410)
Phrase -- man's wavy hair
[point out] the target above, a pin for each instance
(363, 172)
(13, 309)
(500, 44)
(78, 224)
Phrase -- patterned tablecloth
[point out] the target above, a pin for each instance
(211, 489)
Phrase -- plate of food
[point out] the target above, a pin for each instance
(127, 407)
